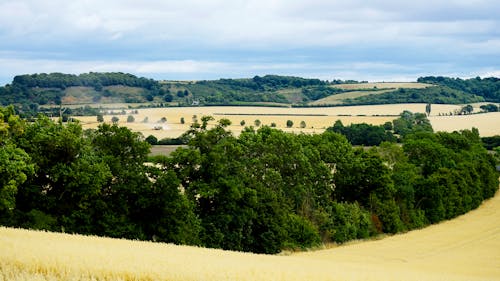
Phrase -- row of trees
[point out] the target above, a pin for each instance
(395, 131)
(263, 191)
(92, 79)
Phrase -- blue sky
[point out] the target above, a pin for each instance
(380, 40)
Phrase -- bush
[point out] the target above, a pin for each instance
(130, 119)
(289, 123)
(301, 233)
(347, 221)
(152, 140)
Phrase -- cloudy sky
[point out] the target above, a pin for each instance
(379, 40)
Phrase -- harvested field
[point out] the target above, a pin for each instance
(337, 99)
(466, 248)
(383, 85)
(488, 124)
(317, 119)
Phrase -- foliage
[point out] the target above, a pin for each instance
(363, 134)
(491, 142)
(409, 123)
(429, 95)
(263, 191)
(488, 88)
(489, 107)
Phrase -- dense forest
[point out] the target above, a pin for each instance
(263, 191)
(32, 93)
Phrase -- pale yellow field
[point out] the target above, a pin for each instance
(466, 248)
(383, 85)
(488, 124)
(337, 99)
(317, 119)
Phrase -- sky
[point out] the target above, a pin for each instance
(379, 40)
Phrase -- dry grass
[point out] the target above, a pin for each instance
(383, 85)
(338, 99)
(466, 248)
(488, 124)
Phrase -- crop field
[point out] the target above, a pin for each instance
(383, 85)
(337, 99)
(466, 248)
(316, 119)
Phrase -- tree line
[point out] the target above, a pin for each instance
(263, 191)
(488, 88)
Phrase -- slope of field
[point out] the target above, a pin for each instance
(337, 99)
(383, 85)
(466, 248)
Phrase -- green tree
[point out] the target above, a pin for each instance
(182, 120)
(428, 109)
(100, 118)
(489, 107)
(467, 109)
(168, 98)
(302, 124)
(15, 167)
(68, 174)
(242, 123)
(152, 140)
(289, 123)
(257, 122)
(130, 119)
(115, 119)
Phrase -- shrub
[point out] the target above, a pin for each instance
(152, 140)
(301, 233)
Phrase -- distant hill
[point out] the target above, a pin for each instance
(29, 91)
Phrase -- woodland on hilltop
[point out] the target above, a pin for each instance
(34, 93)
(263, 191)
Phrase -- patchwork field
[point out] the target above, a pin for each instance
(466, 248)
(316, 119)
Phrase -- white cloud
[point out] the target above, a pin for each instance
(216, 36)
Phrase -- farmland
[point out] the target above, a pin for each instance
(316, 119)
(383, 85)
(466, 248)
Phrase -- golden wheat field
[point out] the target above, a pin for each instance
(316, 119)
(466, 248)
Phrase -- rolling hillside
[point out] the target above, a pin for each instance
(29, 91)
(466, 248)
